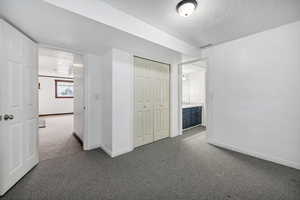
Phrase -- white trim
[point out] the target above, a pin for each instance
(106, 150)
(86, 110)
(132, 101)
(174, 100)
(91, 147)
(48, 46)
(192, 61)
(256, 154)
(113, 154)
(120, 152)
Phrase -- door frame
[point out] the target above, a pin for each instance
(180, 65)
(133, 97)
(85, 132)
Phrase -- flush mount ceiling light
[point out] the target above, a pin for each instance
(186, 7)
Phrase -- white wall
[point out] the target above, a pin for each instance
(197, 87)
(106, 84)
(117, 82)
(122, 108)
(193, 88)
(48, 104)
(254, 95)
(186, 99)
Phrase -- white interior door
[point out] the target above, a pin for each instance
(79, 100)
(19, 106)
(151, 116)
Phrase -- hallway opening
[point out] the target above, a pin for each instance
(60, 103)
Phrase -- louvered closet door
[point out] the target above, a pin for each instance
(151, 101)
(143, 133)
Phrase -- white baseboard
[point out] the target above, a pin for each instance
(91, 147)
(115, 153)
(106, 150)
(121, 152)
(257, 155)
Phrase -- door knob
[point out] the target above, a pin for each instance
(8, 117)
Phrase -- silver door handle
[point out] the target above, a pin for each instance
(8, 117)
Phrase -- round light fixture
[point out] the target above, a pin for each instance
(186, 7)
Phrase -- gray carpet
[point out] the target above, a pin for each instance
(56, 139)
(183, 168)
(195, 130)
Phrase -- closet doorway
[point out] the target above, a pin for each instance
(151, 101)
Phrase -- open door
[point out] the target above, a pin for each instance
(18, 106)
(79, 97)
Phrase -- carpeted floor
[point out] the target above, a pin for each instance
(56, 139)
(195, 130)
(185, 168)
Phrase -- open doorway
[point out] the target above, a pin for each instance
(60, 92)
(193, 97)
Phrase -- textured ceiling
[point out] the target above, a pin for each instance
(215, 21)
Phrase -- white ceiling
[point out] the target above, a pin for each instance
(104, 13)
(57, 27)
(55, 63)
(215, 21)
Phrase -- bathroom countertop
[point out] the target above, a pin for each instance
(191, 105)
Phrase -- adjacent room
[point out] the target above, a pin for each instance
(56, 104)
(150, 99)
(193, 100)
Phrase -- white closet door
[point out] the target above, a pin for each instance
(18, 106)
(161, 103)
(143, 103)
(151, 101)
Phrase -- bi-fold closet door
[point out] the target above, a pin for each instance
(151, 115)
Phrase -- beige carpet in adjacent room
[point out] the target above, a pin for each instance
(56, 140)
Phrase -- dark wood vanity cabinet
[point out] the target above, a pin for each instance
(191, 117)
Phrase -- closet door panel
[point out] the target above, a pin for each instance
(161, 118)
(143, 104)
